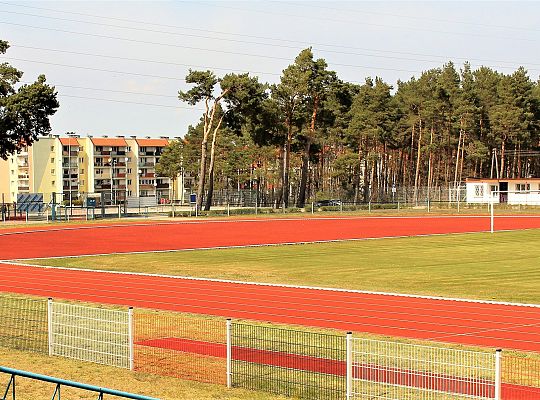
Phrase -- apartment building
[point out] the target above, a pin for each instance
(16, 175)
(109, 168)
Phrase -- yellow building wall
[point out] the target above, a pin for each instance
(133, 167)
(7, 176)
(86, 166)
(47, 168)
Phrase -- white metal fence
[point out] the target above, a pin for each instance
(266, 357)
(402, 371)
(99, 335)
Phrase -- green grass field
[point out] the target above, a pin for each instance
(165, 388)
(501, 266)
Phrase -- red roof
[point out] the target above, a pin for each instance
(69, 141)
(109, 142)
(152, 142)
(495, 180)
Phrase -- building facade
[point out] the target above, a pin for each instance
(524, 191)
(111, 169)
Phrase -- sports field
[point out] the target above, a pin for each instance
(424, 257)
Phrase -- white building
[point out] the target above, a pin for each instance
(524, 191)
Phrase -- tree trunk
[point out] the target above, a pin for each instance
(430, 163)
(305, 159)
(502, 157)
(286, 166)
(418, 157)
(458, 154)
(211, 166)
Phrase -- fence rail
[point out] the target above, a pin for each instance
(11, 386)
(261, 356)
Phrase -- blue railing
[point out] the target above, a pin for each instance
(10, 392)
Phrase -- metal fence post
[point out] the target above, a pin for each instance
(229, 353)
(49, 325)
(312, 207)
(349, 371)
(130, 338)
(492, 216)
(498, 365)
(228, 210)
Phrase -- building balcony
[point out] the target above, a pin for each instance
(74, 153)
(23, 188)
(102, 187)
(148, 175)
(163, 186)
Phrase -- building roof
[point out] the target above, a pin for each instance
(109, 142)
(69, 141)
(152, 142)
(495, 180)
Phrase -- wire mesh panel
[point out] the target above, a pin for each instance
(288, 362)
(520, 377)
(92, 334)
(182, 345)
(401, 371)
(23, 323)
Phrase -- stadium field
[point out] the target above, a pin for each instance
(398, 266)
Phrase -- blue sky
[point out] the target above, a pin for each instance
(118, 66)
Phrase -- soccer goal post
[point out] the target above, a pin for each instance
(524, 197)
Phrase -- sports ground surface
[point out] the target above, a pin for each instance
(489, 324)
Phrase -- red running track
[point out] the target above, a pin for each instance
(92, 239)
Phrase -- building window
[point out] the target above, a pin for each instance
(523, 187)
(52, 148)
(129, 182)
(479, 190)
(52, 160)
(128, 148)
(81, 160)
(53, 183)
(129, 170)
(52, 171)
(82, 171)
(82, 182)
